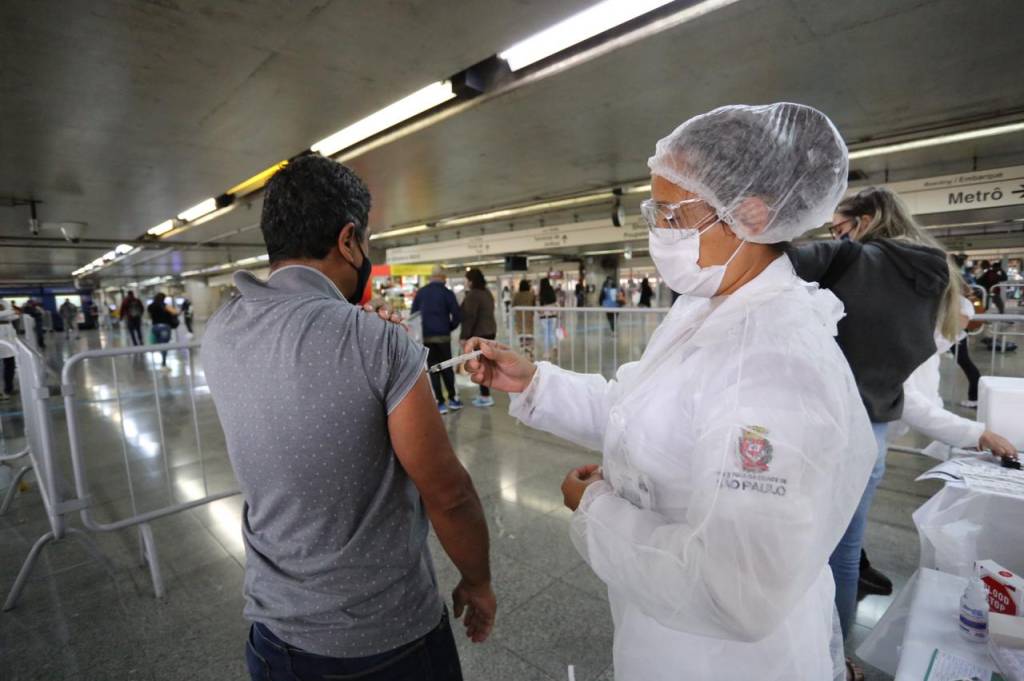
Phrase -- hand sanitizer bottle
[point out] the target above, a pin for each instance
(974, 611)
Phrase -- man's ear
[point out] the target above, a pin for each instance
(753, 213)
(347, 242)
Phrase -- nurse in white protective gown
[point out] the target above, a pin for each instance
(736, 450)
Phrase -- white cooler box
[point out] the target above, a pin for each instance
(1001, 407)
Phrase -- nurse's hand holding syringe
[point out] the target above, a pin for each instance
(498, 366)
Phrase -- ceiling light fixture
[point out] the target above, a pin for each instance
(122, 249)
(938, 140)
(399, 232)
(522, 210)
(161, 229)
(390, 116)
(198, 210)
(590, 22)
(257, 181)
(480, 263)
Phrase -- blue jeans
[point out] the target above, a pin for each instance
(161, 334)
(845, 560)
(431, 658)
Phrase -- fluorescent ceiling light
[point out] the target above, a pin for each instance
(198, 210)
(478, 263)
(522, 210)
(206, 218)
(399, 232)
(256, 181)
(938, 140)
(389, 116)
(109, 255)
(123, 248)
(577, 28)
(639, 189)
(162, 228)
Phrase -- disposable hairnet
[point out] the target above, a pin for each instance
(789, 156)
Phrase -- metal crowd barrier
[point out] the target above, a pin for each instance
(1003, 291)
(587, 339)
(18, 454)
(39, 448)
(1001, 327)
(58, 501)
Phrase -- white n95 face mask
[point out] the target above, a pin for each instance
(677, 264)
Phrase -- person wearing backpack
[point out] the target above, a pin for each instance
(132, 310)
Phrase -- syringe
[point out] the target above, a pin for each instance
(441, 366)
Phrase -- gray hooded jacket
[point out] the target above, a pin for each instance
(892, 290)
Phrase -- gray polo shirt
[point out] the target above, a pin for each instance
(335, 532)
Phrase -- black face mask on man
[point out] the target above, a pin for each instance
(362, 276)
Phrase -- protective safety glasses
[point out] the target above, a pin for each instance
(664, 219)
(835, 228)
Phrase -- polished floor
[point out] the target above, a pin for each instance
(83, 618)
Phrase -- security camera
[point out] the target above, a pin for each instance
(33, 226)
(72, 231)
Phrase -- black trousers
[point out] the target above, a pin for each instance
(998, 300)
(135, 330)
(963, 360)
(436, 353)
(8, 375)
(484, 390)
(433, 657)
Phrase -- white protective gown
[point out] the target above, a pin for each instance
(735, 453)
(923, 409)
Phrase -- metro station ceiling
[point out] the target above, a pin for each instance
(122, 114)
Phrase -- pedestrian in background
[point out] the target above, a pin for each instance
(441, 315)
(132, 310)
(646, 293)
(478, 320)
(610, 299)
(165, 320)
(68, 315)
(548, 319)
(7, 316)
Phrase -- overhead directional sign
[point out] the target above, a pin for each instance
(964, 191)
(588, 233)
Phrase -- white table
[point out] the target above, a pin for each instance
(923, 617)
(958, 526)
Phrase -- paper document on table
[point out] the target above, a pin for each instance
(947, 471)
(947, 667)
(979, 474)
(1009, 660)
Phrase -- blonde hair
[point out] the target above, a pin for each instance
(891, 219)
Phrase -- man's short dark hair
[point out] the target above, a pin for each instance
(306, 205)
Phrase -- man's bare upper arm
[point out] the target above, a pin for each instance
(421, 444)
